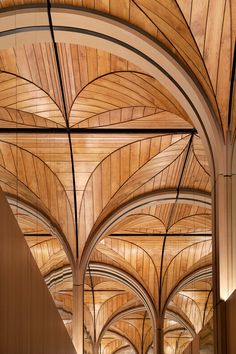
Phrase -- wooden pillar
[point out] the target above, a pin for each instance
(78, 315)
(158, 341)
(96, 348)
(224, 250)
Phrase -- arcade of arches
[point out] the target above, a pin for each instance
(118, 161)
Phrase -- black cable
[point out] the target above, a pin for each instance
(66, 119)
(231, 93)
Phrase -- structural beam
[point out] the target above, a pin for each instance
(108, 131)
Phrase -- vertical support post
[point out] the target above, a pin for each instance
(224, 257)
(78, 317)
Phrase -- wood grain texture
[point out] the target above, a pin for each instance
(22, 281)
(26, 176)
(23, 95)
(184, 28)
(159, 245)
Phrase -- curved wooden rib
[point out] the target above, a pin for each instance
(183, 263)
(12, 118)
(131, 258)
(131, 283)
(128, 331)
(156, 154)
(116, 317)
(23, 95)
(36, 63)
(155, 198)
(109, 307)
(121, 90)
(115, 342)
(182, 212)
(135, 117)
(113, 176)
(190, 308)
(82, 65)
(206, 19)
(198, 223)
(187, 35)
(31, 178)
(142, 223)
(181, 319)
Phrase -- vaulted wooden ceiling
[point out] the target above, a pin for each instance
(64, 183)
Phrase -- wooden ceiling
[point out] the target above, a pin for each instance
(63, 185)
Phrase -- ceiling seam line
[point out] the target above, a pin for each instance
(67, 121)
(231, 92)
(177, 195)
(62, 130)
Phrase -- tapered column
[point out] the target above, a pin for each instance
(78, 316)
(96, 348)
(225, 190)
(158, 340)
(224, 232)
(161, 336)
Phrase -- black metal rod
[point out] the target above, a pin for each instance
(231, 94)
(65, 130)
(163, 234)
(36, 235)
(170, 218)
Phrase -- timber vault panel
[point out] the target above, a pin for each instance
(104, 168)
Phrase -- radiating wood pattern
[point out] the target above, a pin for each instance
(33, 181)
(212, 29)
(135, 117)
(121, 90)
(186, 29)
(12, 118)
(23, 95)
(162, 246)
(155, 156)
(182, 253)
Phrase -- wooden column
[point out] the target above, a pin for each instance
(224, 231)
(231, 323)
(78, 314)
(160, 337)
(96, 348)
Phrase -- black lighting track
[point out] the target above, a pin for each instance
(171, 214)
(232, 87)
(96, 131)
(37, 235)
(162, 235)
(104, 290)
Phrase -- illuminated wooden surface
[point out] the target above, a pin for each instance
(105, 91)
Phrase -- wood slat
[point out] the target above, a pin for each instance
(20, 94)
